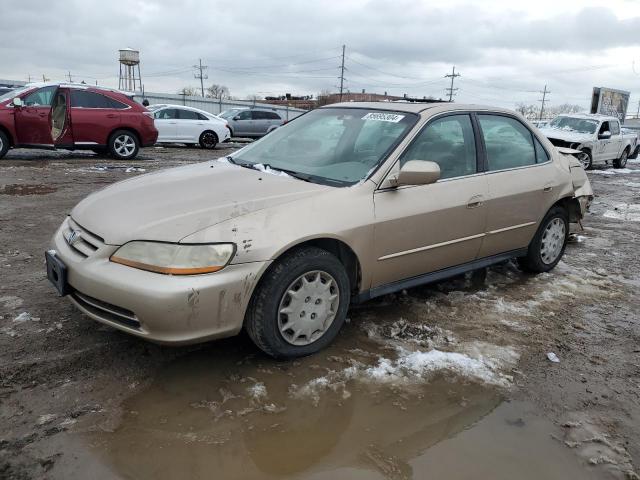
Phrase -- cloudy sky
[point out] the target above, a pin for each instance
(506, 51)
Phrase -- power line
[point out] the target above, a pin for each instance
(544, 97)
(201, 76)
(452, 75)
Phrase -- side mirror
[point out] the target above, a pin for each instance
(16, 102)
(605, 135)
(418, 172)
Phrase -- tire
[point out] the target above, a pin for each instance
(208, 140)
(622, 161)
(273, 306)
(124, 145)
(587, 162)
(548, 244)
(4, 144)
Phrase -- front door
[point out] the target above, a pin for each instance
(32, 119)
(244, 125)
(59, 120)
(523, 183)
(422, 229)
(166, 121)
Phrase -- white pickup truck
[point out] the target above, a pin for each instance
(598, 137)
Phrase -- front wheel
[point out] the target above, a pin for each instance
(300, 304)
(123, 145)
(4, 144)
(208, 140)
(586, 159)
(548, 244)
(622, 161)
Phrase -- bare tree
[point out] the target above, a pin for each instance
(323, 97)
(218, 91)
(532, 112)
(188, 91)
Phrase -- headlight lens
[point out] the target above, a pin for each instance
(173, 258)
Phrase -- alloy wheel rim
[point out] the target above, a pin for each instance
(623, 159)
(1, 144)
(208, 140)
(552, 240)
(124, 145)
(308, 308)
(584, 159)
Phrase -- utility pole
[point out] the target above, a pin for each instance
(200, 75)
(69, 77)
(342, 73)
(45, 79)
(452, 76)
(543, 99)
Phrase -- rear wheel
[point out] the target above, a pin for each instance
(300, 304)
(622, 161)
(123, 145)
(4, 144)
(208, 140)
(548, 244)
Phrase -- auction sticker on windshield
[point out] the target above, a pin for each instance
(383, 117)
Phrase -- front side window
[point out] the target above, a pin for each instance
(83, 99)
(166, 114)
(244, 115)
(448, 141)
(604, 128)
(337, 146)
(508, 142)
(541, 154)
(40, 98)
(615, 128)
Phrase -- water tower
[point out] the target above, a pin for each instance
(129, 62)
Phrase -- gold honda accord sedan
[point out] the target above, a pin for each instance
(345, 203)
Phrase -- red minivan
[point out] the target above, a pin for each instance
(74, 117)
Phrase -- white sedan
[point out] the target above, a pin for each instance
(180, 124)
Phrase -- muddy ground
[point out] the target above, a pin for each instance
(450, 380)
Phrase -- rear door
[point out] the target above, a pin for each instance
(616, 139)
(93, 117)
(166, 121)
(424, 228)
(522, 180)
(261, 122)
(189, 125)
(32, 119)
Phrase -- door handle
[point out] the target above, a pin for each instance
(475, 201)
(111, 115)
(43, 114)
(547, 188)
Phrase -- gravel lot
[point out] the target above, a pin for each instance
(450, 380)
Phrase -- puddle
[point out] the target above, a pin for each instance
(27, 189)
(208, 415)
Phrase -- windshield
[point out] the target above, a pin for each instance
(571, 124)
(13, 93)
(229, 113)
(331, 145)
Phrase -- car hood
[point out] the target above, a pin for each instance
(174, 203)
(566, 135)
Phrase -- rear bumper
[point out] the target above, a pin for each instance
(161, 308)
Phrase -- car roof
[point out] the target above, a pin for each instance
(183, 107)
(79, 86)
(416, 107)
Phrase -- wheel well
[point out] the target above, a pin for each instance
(6, 132)
(342, 251)
(572, 206)
(210, 131)
(127, 129)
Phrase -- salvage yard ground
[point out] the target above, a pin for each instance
(450, 380)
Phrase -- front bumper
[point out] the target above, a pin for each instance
(161, 308)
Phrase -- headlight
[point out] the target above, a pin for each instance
(173, 258)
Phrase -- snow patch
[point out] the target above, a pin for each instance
(624, 211)
(257, 391)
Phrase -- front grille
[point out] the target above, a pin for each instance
(106, 311)
(556, 142)
(86, 243)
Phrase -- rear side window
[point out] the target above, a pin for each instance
(273, 116)
(541, 154)
(448, 141)
(260, 115)
(116, 104)
(188, 115)
(82, 99)
(508, 142)
(40, 98)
